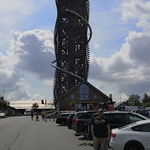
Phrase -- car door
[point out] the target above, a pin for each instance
(115, 119)
(145, 135)
(143, 131)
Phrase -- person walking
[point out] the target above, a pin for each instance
(37, 116)
(100, 129)
(32, 115)
(43, 114)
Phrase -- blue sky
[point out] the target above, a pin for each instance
(119, 48)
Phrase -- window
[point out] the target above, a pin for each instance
(72, 96)
(142, 128)
(84, 92)
(95, 96)
(137, 128)
(146, 128)
(132, 118)
(116, 119)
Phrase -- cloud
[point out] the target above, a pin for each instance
(96, 45)
(35, 52)
(11, 8)
(19, 15)
(137, 10)
(140, 44)
(12, 84)
(127, 70)
(30, 52)
(13, 12)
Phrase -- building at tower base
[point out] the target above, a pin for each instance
(84, 96)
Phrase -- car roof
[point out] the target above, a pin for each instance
(71, 114)
(122, 112)
(64, 114)
(143, 121)
(148, 108)
(134, 124)
(86, 111)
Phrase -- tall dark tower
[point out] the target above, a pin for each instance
(71, 38)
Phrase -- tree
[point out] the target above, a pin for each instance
(145, 98)
(3, 104)
(134, 100)
(149, 99)
(35, 106)
(146, 101)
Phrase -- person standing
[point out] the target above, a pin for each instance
(32, 115)
(43, 114)
(37, 116)
(100, 129)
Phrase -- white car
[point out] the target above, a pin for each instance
(148, 108)
(2, 115)
(135, 136)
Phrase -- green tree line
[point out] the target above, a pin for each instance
(3, 104)
(134, 100)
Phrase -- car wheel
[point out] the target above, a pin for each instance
(134, 146)
(69, 126)
(86, 136)
(62, 123)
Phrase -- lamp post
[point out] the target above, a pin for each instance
(3, 94)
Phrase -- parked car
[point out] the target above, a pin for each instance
(136, 110)
(143, 112)
(69, 120)
(148, 108)
(27, 112)
(117, 119)
(74, 119)
(2, 115)
(82, 121)
(148, 113)
(134, 136)
(62, 119)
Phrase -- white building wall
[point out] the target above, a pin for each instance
(27, 104)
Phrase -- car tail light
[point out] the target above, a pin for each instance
(76, 121)
(113, 135)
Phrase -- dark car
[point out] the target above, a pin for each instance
(74, 119)
(69, 120)
(143, 112)
(82, 121)
(62, 119)
(117, 119)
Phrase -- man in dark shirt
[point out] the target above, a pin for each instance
(100, 131)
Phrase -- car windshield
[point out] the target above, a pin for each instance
(133, 118)
(63, 115)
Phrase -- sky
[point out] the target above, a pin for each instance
(119, 48)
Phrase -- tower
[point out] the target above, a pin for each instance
(71, 40)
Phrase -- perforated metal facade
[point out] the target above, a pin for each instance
(71, 38)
